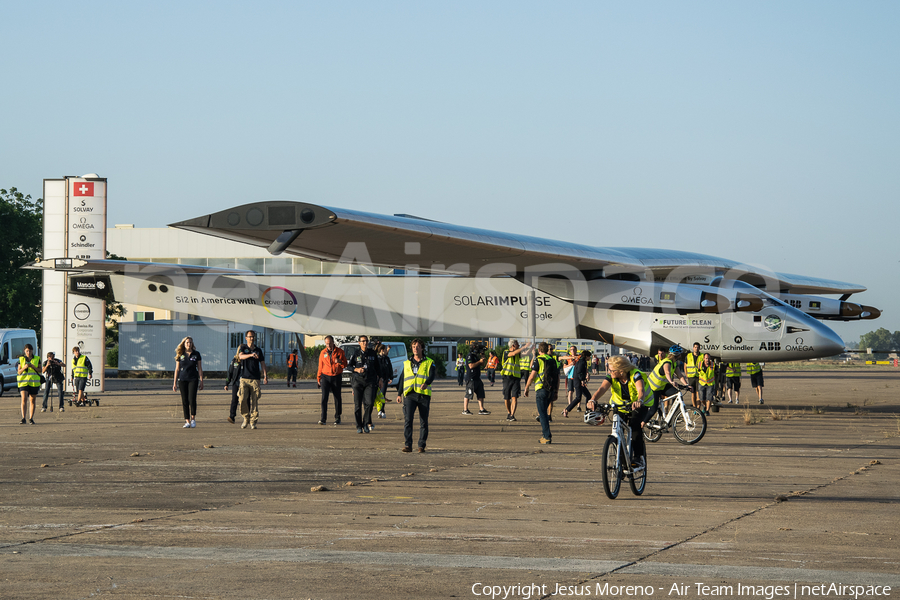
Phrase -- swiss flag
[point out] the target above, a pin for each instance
(84, 188)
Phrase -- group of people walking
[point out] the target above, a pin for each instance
(31, 374)
(371, 373)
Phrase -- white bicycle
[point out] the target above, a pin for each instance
(688, 424)
(615, 462)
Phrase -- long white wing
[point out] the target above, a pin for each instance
(324, 233)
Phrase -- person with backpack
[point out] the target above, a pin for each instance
(545, 374)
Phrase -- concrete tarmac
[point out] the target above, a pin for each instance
(120, 501)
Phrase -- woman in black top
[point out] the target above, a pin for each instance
(188, 378)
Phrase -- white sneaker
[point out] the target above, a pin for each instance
(193, 423)
(186, 426)
(381, 415)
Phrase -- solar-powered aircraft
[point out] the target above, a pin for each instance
(452, 280)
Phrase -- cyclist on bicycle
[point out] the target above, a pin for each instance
(662, 377)
(628, 384)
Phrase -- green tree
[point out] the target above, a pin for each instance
(114, 313)
(20, 290)
(880, 339)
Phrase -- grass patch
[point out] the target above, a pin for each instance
(751, 417)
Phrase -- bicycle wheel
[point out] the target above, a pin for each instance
(612, 474)
(653, 428)
(692, 430)
(638, 478)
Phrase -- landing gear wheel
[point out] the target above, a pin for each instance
(653, 429)
(612, 469)
(690, 432)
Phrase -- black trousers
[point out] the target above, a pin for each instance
(189, 397)
(234, 398)
(331, 384)
(292, 375)
(363, 399)
(643, 414)
(580, 390)
(411, 403)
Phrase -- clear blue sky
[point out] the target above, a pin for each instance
(763, 132)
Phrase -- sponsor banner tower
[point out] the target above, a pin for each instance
(74, 227)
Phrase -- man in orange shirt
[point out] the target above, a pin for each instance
(292, 366)
(331, 364)
(492, 364)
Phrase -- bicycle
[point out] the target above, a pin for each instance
(615, 462)
(688, 424)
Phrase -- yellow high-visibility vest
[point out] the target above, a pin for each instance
(658, 379)
(78, 367)
(510, 366)
(707, 375)
(29, 378)
(415, 382)
(691, 363)
(545, 363)
(619, 399)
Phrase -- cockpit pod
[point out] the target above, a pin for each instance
(762, 328)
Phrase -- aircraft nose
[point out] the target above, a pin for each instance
(827, 342)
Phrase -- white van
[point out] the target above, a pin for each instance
(396, 352)
(12, 346)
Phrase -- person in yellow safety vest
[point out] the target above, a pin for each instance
(662, 377)
(525, 359)
(81, 370)
(415, 393)
(756, 379)
(691, 363)
(545, 374)
(733, 382)
(706, 374)
(460, 370)
(28, 379)
(511, 374)
(628, 397)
